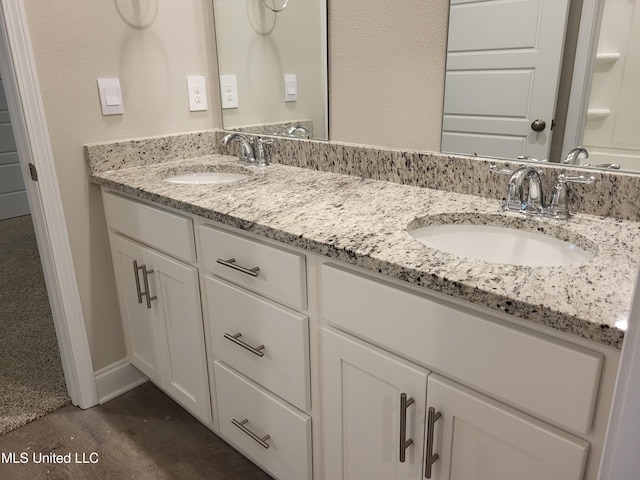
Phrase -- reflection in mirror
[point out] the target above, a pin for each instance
(495, 76)
(612, 125)
(502, 76)
(272, 62)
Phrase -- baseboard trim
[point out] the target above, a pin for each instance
(116, 379)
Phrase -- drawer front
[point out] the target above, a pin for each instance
(281, 275)
(288, 456)
(158, 228)
(282, 366)
(544, 376)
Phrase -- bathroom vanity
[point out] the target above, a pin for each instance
(294, 315)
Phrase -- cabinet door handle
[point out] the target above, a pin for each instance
(145, 279)
(135, 274)
(231, 263)
(241, 425)
(404, 443)
(430, 457)
(236, 339)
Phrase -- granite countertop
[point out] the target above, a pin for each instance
(364, 222)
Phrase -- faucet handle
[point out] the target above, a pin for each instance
(562, 178)
(531, 159)
(496, 169)
(559, 207)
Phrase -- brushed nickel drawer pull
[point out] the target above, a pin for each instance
(430, 458)
(236, 339)
(135, 274)
(231, 263)
(139, 291)
(145, 279)
(241, 425)
(404, 443)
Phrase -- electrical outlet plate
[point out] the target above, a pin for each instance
(197, 88)
(228, 91)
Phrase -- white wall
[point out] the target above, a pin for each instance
(151, 45)
(386, 72)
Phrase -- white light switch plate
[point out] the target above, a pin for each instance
(229, 91)
(290, 87)
(197, 88)
(110, 96)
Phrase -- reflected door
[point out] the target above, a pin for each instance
(503, 68)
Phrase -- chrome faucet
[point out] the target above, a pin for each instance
(306, 133)
(573, 157)
(252, 148)
(531, 202)
(246, 151)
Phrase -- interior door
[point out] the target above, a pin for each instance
(13, 197)
(503, 68)
(362, 389)
(478, 438)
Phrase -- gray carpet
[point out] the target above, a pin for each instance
(31, 379)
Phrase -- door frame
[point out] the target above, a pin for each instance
(18, 70)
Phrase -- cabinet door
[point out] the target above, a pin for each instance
(362, 389)
(180, 332)
(138, 321)
(481, 439)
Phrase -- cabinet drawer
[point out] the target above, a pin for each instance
(283, 367)
(158, 228)
(281, 274)
(288, 456)
(544, 376)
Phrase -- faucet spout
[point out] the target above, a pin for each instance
(246, 150)
(521, 200)
(573, 157)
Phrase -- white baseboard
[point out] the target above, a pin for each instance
(116, 379)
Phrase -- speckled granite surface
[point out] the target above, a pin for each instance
(364, 222)
(614, 194)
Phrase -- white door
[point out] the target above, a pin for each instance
(180, 332)
(13, 197)
(138, 321)
(478, 438)
(362, 388)
(503, 68)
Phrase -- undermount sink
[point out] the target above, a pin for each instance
(500, 244)
(206, 178)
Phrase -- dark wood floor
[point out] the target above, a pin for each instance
(140, 435)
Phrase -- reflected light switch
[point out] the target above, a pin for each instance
(290, 87)
(110, 96)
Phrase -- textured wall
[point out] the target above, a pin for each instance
(386, 75)
(151, 45)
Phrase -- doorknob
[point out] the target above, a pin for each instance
(538, 125)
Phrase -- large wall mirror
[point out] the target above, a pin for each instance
(272, 59)
(503, 94)
(588, 72)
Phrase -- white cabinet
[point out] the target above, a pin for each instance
(259, 340)
(478, 438)
(367, 424)
(363, 422)
(162, 321)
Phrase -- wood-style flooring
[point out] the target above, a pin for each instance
(142, 434)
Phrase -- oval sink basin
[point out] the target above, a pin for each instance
(206, 178)
(496, 244)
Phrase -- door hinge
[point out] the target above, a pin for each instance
(33, 172)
